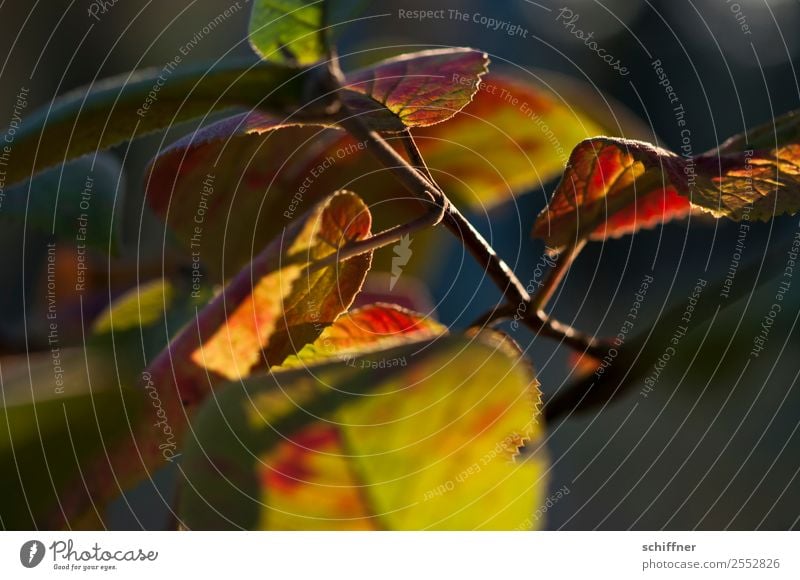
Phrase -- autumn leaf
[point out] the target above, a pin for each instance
(269, 311)
(275, 306)
(754, 175)
(422, 436)
(371, 328)
(260, 173)
(612, 187)
(415, 90)
(515, 136)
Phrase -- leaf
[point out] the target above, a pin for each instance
(288, 31)
(75, 202)
(614, 186)
(260, 174)
(270, 310)
(415, 90)
(275, 306)
(368, 329)
(424, 436)
(131, 105)
(140, 306)
(755, 181)
(515, 136)
(611, 187)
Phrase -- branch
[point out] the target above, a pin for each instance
(556, 274)
(420, 183)
(544, 325)
(431, 218)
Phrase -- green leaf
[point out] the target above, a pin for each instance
(288, 31)
(131, 105)
(78, 201)
(424, 436)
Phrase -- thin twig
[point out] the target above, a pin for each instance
(384, 238)
(414, 153)
(425, 188)
(556, 274)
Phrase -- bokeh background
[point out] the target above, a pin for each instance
(714, 446)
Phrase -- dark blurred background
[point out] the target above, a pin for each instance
(714, 446)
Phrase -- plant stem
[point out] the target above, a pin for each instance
(431, 218)
(416, 157)
(556, 274)
(423, 187)
(545, 325)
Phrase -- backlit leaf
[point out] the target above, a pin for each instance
(129, 106)
(371, 328)
(273, 307)
(755, 175)
(424, 436)
(415, 90)
(260, 174)
(288, 31)
(514, 136)
(270, 310)
(614, 186)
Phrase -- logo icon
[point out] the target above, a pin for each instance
(402, 254)
(31, 553)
